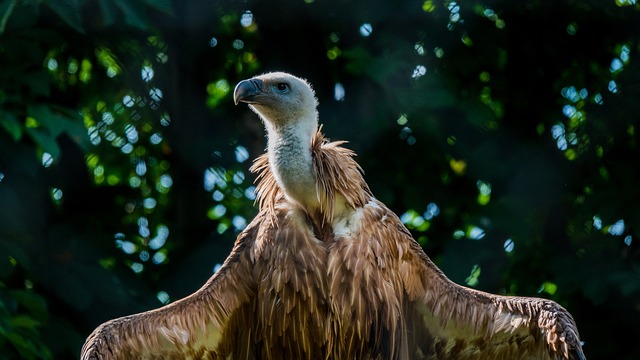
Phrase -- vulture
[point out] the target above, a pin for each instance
(327, 271)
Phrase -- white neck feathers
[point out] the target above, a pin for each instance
(289, 148)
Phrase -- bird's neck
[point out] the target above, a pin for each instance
(289, 148)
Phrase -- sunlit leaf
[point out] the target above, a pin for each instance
(459, 167)
(474, 277)
(428, 6)
(548, 287)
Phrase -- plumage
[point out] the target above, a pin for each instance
(326, 271)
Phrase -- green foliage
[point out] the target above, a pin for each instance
(22, 314)
(504, 133)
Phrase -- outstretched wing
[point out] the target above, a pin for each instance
(446, 321)
(207, 324)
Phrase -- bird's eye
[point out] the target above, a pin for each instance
(282, 87)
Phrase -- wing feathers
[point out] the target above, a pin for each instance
(536, 328)
(462, 323)
(188, 328)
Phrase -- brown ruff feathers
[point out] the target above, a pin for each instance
(333, 178)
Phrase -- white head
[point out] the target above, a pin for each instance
(280, 99)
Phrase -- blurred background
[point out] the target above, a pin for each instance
(502, 132)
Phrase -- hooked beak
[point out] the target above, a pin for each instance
(247, 90)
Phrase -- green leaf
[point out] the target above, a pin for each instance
(24, 347)
(38, 82)
(161, 5)
(358, 59)
(69, 12)
(6, 8)
(109, 12)
(74, 127)
(11, 125)
(6, 267)
(428, 6)
(45, 141)
(58, 120)
(474, 278)
(12, 249)
(134, 15)
(24, 321)
(548, 287)
(32, 302)
(43, 115)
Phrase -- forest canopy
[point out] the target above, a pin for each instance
(503, 133)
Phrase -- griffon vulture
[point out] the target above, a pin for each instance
(326, 271)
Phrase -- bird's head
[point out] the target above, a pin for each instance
(280, 99)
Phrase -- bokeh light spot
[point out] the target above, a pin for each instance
(47, 159)
(617, 228)
(137, 267)
(338, 92)
(163, 297)
(419, 71)
(250, 192)
(246, 19)
(147, 73)
(242, 154)
(159, 258)
(597, 222)
(509, 245)
(402, 120)
(239, 222)
(475, 233)
(56, 195)
(238, 44)
(432, 211)
(366, 29)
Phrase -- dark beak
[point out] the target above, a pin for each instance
(247, 90)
